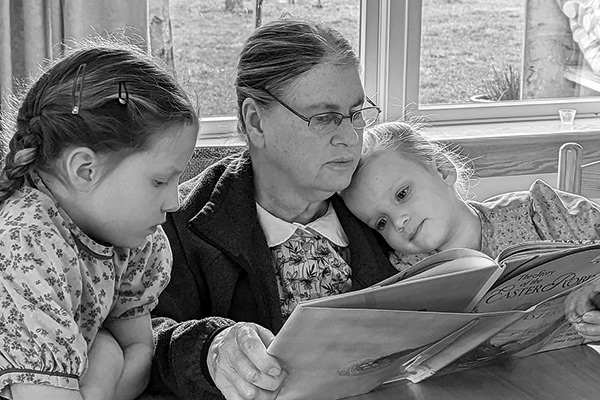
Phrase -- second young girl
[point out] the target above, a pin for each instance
(409, 188)
(97, 147)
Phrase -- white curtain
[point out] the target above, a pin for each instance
(33, 31)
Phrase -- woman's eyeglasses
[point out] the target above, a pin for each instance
(325, 123)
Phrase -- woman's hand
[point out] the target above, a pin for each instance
(240, 366)
(582, 310)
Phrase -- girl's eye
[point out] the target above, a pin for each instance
(158, 183)
(403, 193)
(380, 224)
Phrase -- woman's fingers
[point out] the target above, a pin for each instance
(240, 365)
(254, 340)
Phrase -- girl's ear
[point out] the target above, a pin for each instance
(83, 167)
(252, 115)
(447, 172)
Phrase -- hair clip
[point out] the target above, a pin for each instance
(123, 89)
(78, 92)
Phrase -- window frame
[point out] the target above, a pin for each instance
(390, 40)
(402, 88)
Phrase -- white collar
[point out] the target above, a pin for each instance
(278, 231)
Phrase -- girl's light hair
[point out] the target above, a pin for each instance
(406, 139)
(44, 126)
(279, 52)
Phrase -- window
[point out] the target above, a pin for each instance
(434, 57)
(207, 38)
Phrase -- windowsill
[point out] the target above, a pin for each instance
(497, 149)
(520, 148)
(477, 132)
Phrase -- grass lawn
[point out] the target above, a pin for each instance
(461, 41)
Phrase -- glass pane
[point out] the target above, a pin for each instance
(207, 37)
(491, 50)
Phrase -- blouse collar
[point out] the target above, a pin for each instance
(278, 231)
(81, 240)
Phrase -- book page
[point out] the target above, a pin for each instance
(540, 247)
(451, 292)
(541, 328)
(441, 263)
(333, 353)
(542, 279)
(524, 256)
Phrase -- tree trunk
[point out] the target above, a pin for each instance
(161, 36)
(548, 49)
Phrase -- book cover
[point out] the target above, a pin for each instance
(455, 310)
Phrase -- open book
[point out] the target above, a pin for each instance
(456, 309)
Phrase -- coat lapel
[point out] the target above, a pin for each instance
(228, 221)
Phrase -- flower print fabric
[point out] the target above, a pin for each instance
(309, 266)
(540, 213)
(57, 287)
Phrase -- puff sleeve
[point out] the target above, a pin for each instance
(40, 342)
(146, 274)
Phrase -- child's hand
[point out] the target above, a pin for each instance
(583, 311)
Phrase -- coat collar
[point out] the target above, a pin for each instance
(227, 218)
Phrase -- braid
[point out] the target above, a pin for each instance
(46, 124)
(22, 155)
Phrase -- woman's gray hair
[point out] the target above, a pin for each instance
(277, 53)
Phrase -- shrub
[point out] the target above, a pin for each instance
(505, 85)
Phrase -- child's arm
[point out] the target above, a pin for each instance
(104, 371)
(105, 365)
(103, 374)
(134, 335)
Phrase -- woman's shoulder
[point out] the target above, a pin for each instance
(213, 176)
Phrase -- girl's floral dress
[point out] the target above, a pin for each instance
(57, 287)
(540, 213)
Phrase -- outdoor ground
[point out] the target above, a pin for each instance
(462, 40)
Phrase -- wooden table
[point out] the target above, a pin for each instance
(567, 374)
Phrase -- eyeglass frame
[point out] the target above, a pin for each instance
(349, 116)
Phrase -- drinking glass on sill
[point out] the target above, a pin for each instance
(567, 116)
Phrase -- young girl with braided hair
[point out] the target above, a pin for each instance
(97, 147)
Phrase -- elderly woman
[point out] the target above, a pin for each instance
(259, 232)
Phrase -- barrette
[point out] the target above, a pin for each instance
(123, 90)
(77, 92)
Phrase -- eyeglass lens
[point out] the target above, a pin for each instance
(330, 121)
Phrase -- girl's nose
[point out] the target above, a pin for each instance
(400, 222)
(172, 200)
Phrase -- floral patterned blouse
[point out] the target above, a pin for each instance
(310, 261)
(57, 287)
(309, 266)
(541, 213)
